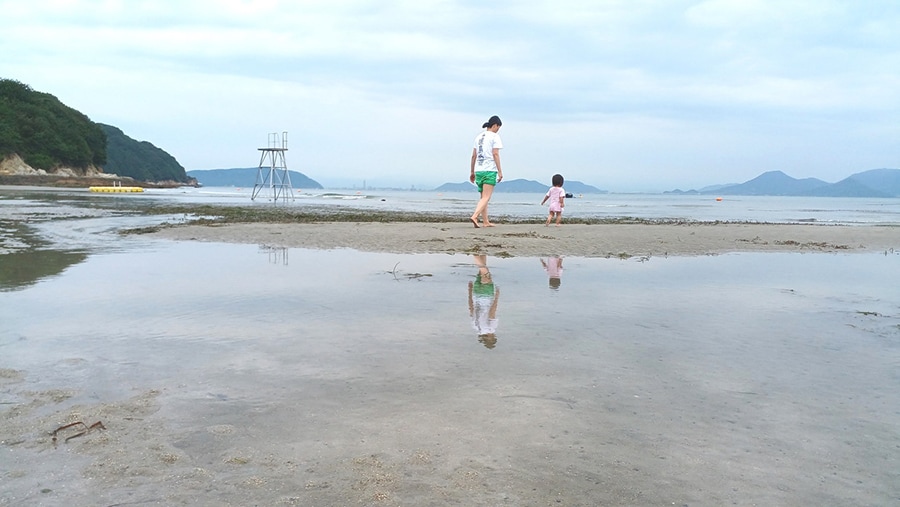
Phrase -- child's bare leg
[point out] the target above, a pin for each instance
(558, 218)
(549, 217)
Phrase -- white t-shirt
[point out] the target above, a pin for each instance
(485, 143)
(481, 319)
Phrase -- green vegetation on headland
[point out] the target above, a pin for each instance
(140, 160)
(50, 143)
(46, 133)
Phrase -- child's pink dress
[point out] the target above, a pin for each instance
(554, 194)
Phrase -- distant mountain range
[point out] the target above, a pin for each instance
(872, 183)
(246, 177)
(522, 186)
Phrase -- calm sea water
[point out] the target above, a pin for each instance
(647, 206)
(827, 210)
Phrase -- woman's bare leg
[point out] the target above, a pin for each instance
(487, 191)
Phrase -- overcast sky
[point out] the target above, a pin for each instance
(625, 95)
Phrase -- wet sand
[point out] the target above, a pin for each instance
(529, 240)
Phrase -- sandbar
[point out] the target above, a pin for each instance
(622, 240)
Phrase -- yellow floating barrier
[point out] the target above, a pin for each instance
(116, 189)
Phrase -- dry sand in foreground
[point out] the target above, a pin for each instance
(530, 240)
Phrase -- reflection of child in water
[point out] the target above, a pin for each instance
(553, 267)
(483, 297)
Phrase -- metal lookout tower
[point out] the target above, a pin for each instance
(273, 172)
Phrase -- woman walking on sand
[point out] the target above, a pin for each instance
(485, 168)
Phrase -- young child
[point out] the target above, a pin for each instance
(557, 197)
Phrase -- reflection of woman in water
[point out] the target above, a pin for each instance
(483, 297)
(553, 267)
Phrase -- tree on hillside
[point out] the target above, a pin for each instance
(139, 159)
(45, 132)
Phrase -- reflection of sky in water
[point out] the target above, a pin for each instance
(177, 308)
(730, 362)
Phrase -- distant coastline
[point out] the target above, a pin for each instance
(879, 183)
(874, 183)
(68, 181)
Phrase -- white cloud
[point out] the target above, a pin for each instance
(647, 92)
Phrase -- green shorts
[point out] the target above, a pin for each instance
(480, 288)
(483, 178)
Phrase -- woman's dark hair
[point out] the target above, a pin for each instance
(495, 120)
(558, 180)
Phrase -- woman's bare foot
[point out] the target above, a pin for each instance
(489, 224)
(474, 222)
